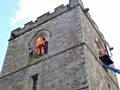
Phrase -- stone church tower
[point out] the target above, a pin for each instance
(70, 58)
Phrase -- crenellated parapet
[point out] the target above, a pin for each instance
(45, 17)
(48, 16)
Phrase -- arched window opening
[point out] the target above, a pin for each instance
(38, 45)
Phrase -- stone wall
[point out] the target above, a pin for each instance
(69, 64)
(62, 72)
(98, 76)
(65, 32)
(65, 71)
(64, 55)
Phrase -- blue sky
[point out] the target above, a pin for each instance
(7, 10)
(15, 13)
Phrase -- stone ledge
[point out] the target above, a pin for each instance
(40, 60)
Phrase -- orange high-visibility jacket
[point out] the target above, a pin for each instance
(39, 42)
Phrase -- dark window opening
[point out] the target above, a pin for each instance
(30, 51)
(108, 85)
(34, 80)
(38, 45)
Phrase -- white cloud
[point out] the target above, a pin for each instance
(30, 9)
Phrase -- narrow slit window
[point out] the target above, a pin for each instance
(34, 82)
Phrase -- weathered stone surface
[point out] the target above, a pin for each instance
(72, 59)
(62, 37)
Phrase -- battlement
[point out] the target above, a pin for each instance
(45, 17)
(68, 59)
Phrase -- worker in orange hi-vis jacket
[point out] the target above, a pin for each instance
(39, 45)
